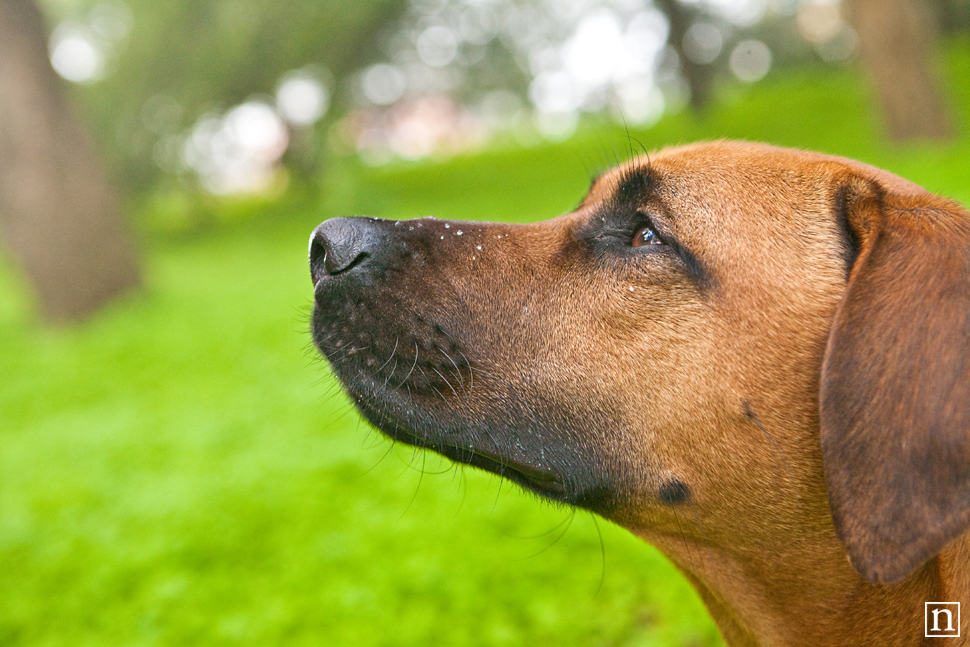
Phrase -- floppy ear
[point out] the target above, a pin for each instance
(895, 383)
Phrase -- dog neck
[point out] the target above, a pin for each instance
(802, 591)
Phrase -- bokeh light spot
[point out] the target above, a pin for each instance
(437, 46)
(819, 22)
(238, 152)
(703, 43)
(750, 60)
(595, 48)
(76, 55)
(302, 99)
(383, 84)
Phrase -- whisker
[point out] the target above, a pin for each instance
(750, 415)
(569, 523)
(438, 373)
(599, 534)
(416, 351)
(396, 340)
(391, 374)
(471, 372)
(461, 382)
(417, 487)
(683, 535)
(700, 527)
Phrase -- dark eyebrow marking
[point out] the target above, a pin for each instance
(636, 182)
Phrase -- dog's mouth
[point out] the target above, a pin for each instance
(545, 481)
(541, 477)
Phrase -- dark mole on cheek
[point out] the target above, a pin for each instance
(674, 492)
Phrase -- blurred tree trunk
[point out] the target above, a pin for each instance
(58, 216)
(896, 39)
(699, 77)
(952, 16)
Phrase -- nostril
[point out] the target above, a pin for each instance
(333, 265)
(339, 245)
(318, 259)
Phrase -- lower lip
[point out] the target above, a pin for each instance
(535, 474)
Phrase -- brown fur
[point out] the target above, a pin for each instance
(778, 397)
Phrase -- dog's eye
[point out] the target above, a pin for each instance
(646, 235)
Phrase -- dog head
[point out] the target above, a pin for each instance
(753, 332)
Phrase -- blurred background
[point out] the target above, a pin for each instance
(176, 464)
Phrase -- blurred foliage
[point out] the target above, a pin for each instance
(210, 54)
(178, 471)
(183, 58)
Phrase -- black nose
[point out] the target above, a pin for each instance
(339, 245)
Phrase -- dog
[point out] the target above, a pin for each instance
(756, 359)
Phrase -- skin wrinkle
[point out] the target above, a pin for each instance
(696, 392)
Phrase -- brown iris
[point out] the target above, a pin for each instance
(646, 236)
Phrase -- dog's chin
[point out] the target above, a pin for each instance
(434, 399)
(428, 422)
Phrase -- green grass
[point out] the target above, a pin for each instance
(180, 470)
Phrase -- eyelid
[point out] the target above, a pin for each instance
(661, 223)
(646, 219)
